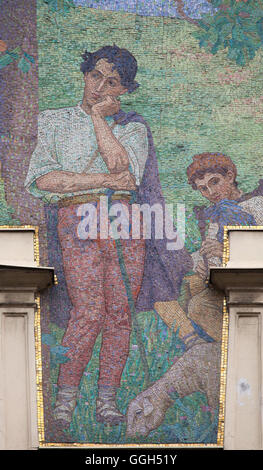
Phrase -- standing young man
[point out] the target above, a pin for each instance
(82, 153)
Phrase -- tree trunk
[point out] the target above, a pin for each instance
(18, 117)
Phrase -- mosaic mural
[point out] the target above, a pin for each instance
(131, 135)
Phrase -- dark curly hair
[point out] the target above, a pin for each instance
(124, 62)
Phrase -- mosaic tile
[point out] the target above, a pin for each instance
(110, 108)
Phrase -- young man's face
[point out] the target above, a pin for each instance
(102, 81)
(215, 187)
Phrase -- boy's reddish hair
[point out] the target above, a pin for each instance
(209, 163)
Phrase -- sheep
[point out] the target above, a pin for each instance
(197, 370)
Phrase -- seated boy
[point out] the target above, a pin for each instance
(214, 175)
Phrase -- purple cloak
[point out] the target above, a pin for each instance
(163, 269)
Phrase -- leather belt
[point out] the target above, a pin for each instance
(86, 198)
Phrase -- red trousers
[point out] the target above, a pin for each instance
(99, 299)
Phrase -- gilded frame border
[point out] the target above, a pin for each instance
(224, 351)
(37, 329)
(229, 228)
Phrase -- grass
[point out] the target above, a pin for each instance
(187, 421)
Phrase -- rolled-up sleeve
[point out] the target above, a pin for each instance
(43, 159)
(134, 139)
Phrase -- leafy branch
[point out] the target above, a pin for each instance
(180, 10)
(237, 26)
(57, 352)
(23, 59)
(62, 6)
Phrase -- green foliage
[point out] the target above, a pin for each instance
(62, 6)
(6, 212)
(24, 65)
(9, 56)
(236, 26)
(24, 60)
(57, 352)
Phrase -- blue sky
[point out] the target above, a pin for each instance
(193, 8)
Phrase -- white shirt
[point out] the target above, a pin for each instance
(67, 141)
